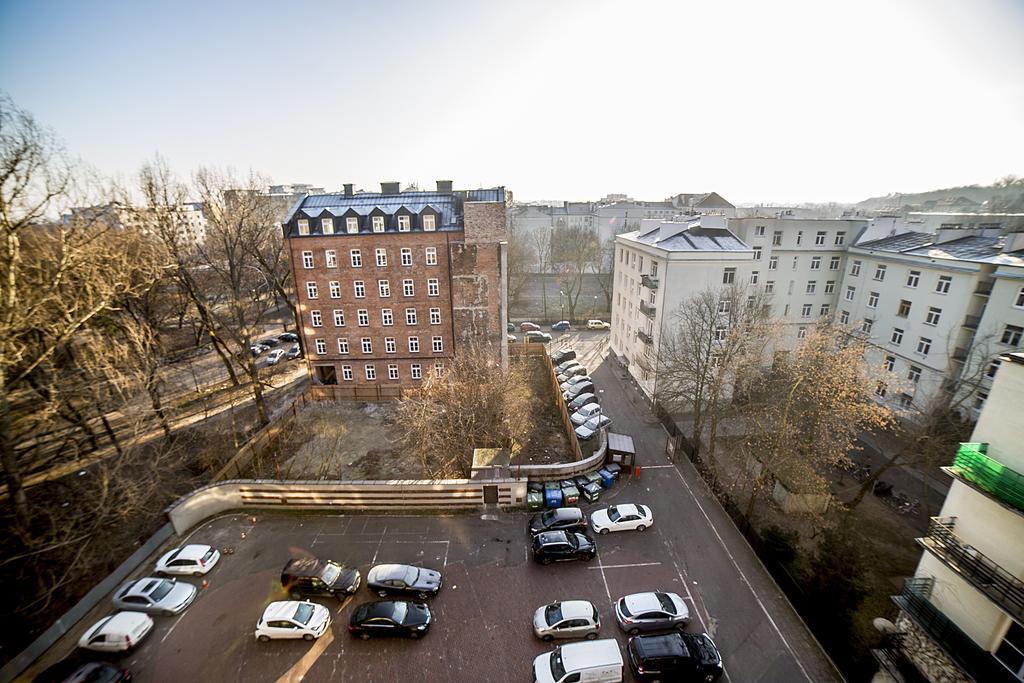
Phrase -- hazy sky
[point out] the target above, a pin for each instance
(761, 101)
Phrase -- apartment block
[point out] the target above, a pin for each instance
(962, 613)
(390, 284)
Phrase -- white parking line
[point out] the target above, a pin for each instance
(605, 579)
(624, 566)
(696, 608)
(656, 467)
(382, 534)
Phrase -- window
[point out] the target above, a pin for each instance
(315, 319)
(371, 372)
(906, 400)
(360, 289)
(343, 346)
(933, 316)
(303, 226)
(720, 333)
(769, 287)
(723, 306)
(362, 317)
(378, 225)
(641, 264)
(890, 363)
(1019, 303)
(979, 403)
(1011, 335)
(403, 226)
(433, 289)
(356, 257)
(833, 263)
(428, 222)
(865, 326)
(851, 292)
(855, 268)
(310, 290)
(830, 287)
(654, 268)
(777, 238)
(392, 368)
(796, 262)
(903, 310)
(758, 231)
(773, 263)
(307, 260)
(437, 344)
(880, 272)
(924, 345)
(367, 344)
(435, 316)
(757, 253)
(339, 317)
(438, 369)
(382, 257)
(1011, 651)
(942, 286)
(754, 275)
(844, 317)
(913, 278)
(346, 373)
(729, 276)
(406, 257)
(993, 368)
(914, 375)
(327, 226)
(801, 332)
(384, 288)
(799, 237)
(417, 371)
(321, 346)
(331, 256)
(811, 286)
(805, 311)
(389, 345)
(414, 344)
(351, 225)
(431, 253)
(819, 238)
(840, 237)
(880, 390)
(387, 317)
(815, 263)
(825, 309)
(410, 316)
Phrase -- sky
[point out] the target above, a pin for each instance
(787, 101)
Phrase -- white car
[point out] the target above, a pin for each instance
(275, 356)
(588, 429)
(585, 413)
(117, 633)
(191, 559)
(573, 381)
(598, 325)
(567, 619)
(155, 596)
(293, 619)
(622, 518)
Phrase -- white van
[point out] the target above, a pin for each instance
(597, 661)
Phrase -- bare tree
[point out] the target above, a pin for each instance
(520, 258)
(576, 251)
(540, 241)
(606, 270)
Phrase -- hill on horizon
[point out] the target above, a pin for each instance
(1006, 195)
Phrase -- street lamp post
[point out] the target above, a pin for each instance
(561, 304)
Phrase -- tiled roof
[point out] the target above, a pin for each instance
(972, 248)
(688, 237)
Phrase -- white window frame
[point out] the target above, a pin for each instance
(439, 369)
(343, 346)
(370, 371)
(303, 226)
(754, 276)
(316, 318)
(406, 256)
(387, 317)
(805, 310)
(331, 258)
(390, 346)
(844, 317)
(1019, 302)
(359, 289)
(840, 238)
(334, 289)
(897, 336)
(812, 285)
(346, 373)
(410, 316)
(366, 345)
(855, 268)
(913, 279)
(437, 344)
(404, 223)
(414, 344)
(834, 263)
(830, 287)
(815, 263)
(429, 221)
(769, 287)
(933, 316)
(914, 374)
(311, 290)
(307, 260)
(392, 371)
(408, 287)
(339, 317)
(851, 293)
(728, 276)
(431, 255)
(757, 253)
(377, 223)
(352, 225)
(880, 272)
(872, 301)
(363, 317)
(383, 289)
(356, 258)
(416, 370)
(773, 263)
(381, 255)
(327, 226)
(433, 287)
(819, 238)
(435, 316)
(943, 284)
(321, 346)
(758, 231)
(926, 344)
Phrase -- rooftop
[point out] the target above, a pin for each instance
(687, 236)
(973, 248)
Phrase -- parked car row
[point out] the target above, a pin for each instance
(560, 326)
(276, 355)
(578, 392)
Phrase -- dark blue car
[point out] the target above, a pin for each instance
(561, 326)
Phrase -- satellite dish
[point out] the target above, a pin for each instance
(884, 626)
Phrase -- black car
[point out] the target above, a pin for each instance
(559, 519)
(309, 576)
(675, 656)
(560, 546)
(559, 357)
(270, 342)
(288, 337)
(74, 670)
(390, 618)
(403, 579)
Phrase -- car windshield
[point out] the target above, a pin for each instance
(553, 613)
(304, 612)
(330, 573)
(411, 574)
(547, 517)
(624, 608)
(666, 603)
(160, 591)
(613, 514)
(557, 668)
(401, 609)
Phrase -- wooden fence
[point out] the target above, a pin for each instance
(356, 393)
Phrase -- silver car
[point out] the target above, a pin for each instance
(651, 612)
(568, 619)
(155, 596)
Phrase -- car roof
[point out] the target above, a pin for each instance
(304, 566)
(552, 537)
(568, 513)
(381, 608)
(381, 572)
(282, 609)
(666, 645)
(123, 622)
(577, 609)
(577, 656)
(642, 602)
(194, 551)
(629, 509)
(142, 586)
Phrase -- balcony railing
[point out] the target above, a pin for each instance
(644, 337)
(960, 354)
(647, 309)
(643, 363)
(991, 476)
(999, 585)
(649, 281)
(893, 658)
(976, 662)
(971, 322)
(983, 288)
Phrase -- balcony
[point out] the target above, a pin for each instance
(644, 337)
(647, 309)
(643, 363)
(989, 476)
(960, 355)
(1000, 586)
(649, 282)
(892, 657)
(971, 322)
(976, 662)
(983, 288)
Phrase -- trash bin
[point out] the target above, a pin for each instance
(553, 497)
(591, 492)
(570, 495)
(581, 481)
(606, 478)
(614, 468)
(535, 500)
(566, 483)
(594, 478)
(535, 486)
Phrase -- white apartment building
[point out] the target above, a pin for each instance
(962, 614)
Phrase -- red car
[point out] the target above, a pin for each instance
(529, 327)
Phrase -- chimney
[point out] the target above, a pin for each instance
(444, 186)
(348, 189)
(390, 188)
(1014, 242)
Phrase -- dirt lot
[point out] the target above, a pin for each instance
(547, 442)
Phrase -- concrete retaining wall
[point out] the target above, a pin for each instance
(561, 471)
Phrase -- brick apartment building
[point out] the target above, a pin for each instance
(390, 284)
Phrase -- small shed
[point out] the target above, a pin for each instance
(490, 463)
(620, 449)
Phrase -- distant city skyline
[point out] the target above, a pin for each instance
(785, 103)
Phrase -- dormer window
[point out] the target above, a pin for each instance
(428, 222)
(327, 225)
(404, 224)
(303, 226)
(378, 223)
(351, 225)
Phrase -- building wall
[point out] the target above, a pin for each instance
(1001, 309)
(1001, 424)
